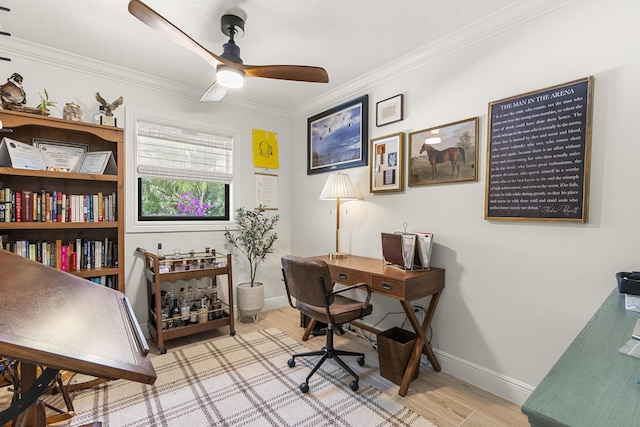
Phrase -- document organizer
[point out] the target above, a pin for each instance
(399, 250)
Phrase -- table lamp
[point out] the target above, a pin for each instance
(337, 187)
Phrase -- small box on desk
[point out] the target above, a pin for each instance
(394, 350)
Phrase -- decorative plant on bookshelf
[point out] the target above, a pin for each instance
(45, 103)
(255, 239)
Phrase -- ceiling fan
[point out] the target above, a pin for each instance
(230, 70)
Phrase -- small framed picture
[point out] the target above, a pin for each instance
(389, 110)
(387, 163)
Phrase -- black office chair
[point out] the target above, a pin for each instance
(309, 282)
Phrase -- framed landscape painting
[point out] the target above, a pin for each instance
(443, 154)
(338, 138)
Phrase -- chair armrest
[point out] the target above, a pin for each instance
(356, 286)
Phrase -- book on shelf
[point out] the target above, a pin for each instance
(58, 254)
(27, 205)
(64, 258)
(18, 206)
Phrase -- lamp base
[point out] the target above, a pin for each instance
(337, 255)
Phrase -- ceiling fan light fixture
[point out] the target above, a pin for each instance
(230, 77)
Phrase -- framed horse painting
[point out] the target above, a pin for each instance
(444, 154)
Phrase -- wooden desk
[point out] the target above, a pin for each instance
(58, 320)
(405, 286)
(592, 384)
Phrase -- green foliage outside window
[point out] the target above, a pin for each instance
(174, 199)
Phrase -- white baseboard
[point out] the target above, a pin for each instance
(501, 385)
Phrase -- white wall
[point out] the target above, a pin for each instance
(517, 293)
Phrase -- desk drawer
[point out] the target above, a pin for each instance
(384, 285)
(349, 277)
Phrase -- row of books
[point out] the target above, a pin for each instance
(56, 206)
(67, 256)
(108, 281)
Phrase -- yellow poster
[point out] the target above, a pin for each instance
(265, 149)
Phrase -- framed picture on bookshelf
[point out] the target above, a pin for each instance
(60, 156)
(100, 162)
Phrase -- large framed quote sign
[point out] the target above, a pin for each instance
(538, 154)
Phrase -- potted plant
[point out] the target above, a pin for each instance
(254, 238)
(45, 103)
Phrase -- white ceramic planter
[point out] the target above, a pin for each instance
(250, 300)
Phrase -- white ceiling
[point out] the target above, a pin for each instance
(349, 38)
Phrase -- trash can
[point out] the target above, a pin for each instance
(394, 350)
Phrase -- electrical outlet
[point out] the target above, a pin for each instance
(419, 312)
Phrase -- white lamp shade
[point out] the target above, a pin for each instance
(230, 77)
(338, 186)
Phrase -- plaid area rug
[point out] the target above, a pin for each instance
(240, 381)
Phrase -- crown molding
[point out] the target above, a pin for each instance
(513, 16)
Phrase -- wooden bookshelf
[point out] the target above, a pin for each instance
(25, 127)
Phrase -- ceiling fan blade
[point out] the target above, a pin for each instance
(300, 73)
(156, 21)
(215, 93)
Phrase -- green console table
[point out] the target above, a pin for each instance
(592, 384)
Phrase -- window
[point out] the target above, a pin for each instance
(183, 174)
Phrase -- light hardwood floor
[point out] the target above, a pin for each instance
(443, 399)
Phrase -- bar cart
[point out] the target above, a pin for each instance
(212, 313)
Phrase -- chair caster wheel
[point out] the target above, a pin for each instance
(291, 363)
(163, 350)
(353, 384)
(360, 361)
(304, 387)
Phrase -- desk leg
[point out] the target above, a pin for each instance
(421, 342)
(34, 415)
(309, 330)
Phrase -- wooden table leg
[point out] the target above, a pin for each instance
(34, 415)
(421, 344)
(309, 330)
(425, 327)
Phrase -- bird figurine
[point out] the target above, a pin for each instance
(108, 108)
(12, 94)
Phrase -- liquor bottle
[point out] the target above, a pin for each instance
(175, 314)
(159, 253)
(185, 306)
(216, 305)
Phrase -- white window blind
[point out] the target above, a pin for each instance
(170, 152)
